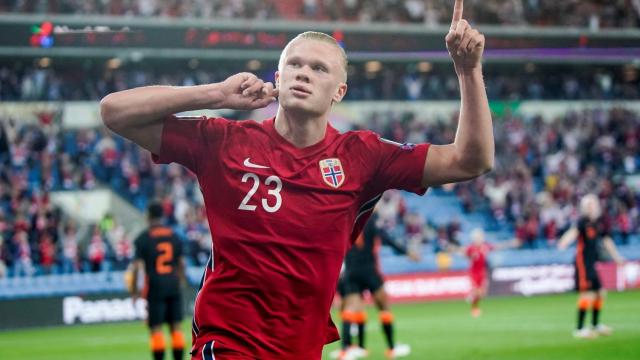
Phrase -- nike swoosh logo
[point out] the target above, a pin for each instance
(248, 163)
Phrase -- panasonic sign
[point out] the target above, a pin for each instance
(78, 310)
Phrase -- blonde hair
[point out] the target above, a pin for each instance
(317, 36)
(477, 234)
(590, 200)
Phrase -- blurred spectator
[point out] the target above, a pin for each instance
(623, 226)
(542, 168)
(96, 250)
(391, 209)
(4, 256)
(122, 245)
(47, 254)
(584, 13)
(70, 259)
(392, 82)
(453, 231)
(23, 263)
(415, 227)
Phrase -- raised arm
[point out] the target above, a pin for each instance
(511, 244)
(567, 238)
(138, 114)
(472, 152)
(457, 249)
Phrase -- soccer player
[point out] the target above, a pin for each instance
(477, 252)
(361, 273)
(589, 231)
(285, 197)
(158, 254)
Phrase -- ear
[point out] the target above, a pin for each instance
(340, 93)
(277, 81)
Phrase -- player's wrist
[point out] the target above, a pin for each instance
(212, 96)
(469, 71)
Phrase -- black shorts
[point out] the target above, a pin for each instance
(586, 277)
(356, 282)
(168, 309)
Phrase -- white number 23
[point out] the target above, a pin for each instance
(275, 192)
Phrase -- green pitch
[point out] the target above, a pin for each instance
(517, 328)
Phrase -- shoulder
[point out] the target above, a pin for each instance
(241, 123)
(161, 231)
(360, 135)
(371, 139)
(360, 138)
(242, 126)
(581, 223)
(141, 239)
(204, 121)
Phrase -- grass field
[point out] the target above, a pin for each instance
(510, 328)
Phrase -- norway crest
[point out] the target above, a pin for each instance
(332, 172)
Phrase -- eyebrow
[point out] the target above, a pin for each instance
(312, 62)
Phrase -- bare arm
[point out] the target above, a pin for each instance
(567, 238)
(460, 250)
(182, 271)
(137, 268)
(138, 114)
(613, 251)
(472, 152)
(511, 244)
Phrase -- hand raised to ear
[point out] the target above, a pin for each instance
(245, 91)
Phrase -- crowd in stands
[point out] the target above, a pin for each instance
(546, 167)
(581, 13)
(19, 82)
(543, 166)
(35, 237)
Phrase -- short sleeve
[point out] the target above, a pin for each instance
(187, 140)
(398, 166)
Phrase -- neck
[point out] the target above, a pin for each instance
(301, 130)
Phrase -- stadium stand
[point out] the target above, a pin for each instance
(530, 194)
(532, 173)
(574, 13)
(25, 81)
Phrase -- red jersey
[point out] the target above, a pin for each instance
(477, 255)
(282, 219)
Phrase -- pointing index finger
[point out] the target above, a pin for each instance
(457, 13)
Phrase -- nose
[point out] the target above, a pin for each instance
(302, 76)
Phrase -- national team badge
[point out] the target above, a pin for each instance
(332, 172)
